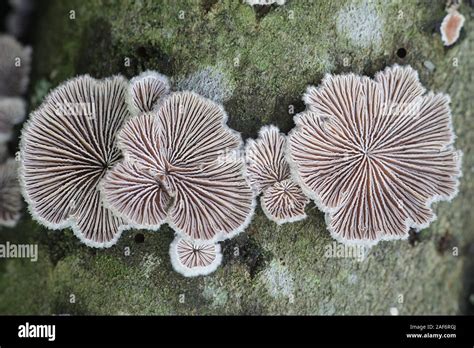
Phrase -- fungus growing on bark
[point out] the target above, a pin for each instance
(269, 172)
(375, 154)
(67, 147)
(12, 111)
(451, 27)
(191, 258)
(10, 194)
(146, 90)
(15, 62)
(179, 151)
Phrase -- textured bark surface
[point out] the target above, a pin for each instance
(257, 62)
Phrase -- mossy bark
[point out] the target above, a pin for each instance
(258, 61)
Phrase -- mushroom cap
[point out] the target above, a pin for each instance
(14, 78)
(451, 27)
(284, 202)
(10, 194)
(266, 163)
(67, 147)
(375, 154)
(269, 172)
(146, 90)
(136, 196)
(192, 258)
(12, 111)
(183, 146)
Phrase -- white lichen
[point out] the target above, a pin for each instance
(361, 23)
(149, 264)
(210, 82)
(278, 280)
(216, 294)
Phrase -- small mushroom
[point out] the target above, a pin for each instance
(375, 154)
(269, 172)
(451, 27)
(180, 151)
(284, 202)
(12, 111)
(10, 194)
(146, 90)
(15, 64)
(67, 147)
(192, 258)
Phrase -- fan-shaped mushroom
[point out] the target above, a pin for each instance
(375, 154)
(67, 147)
(179, 152)
(269, 172)
(191, 258)
(146, 90)
(10, 194)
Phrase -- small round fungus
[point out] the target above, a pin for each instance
(180, 151)
(15, 63)
(269, 172)
(451, 27)
(12, 111)
(375, 154)
(146, 90)
(10, 194)
(67, 147)
(284, 202)
(192, 258)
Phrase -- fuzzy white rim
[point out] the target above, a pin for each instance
(197, 271)
(142, 76)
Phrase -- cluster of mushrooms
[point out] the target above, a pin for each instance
(15, 62)
(104, 156)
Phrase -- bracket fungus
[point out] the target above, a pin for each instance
(15, 63)
(175, 171)
(375, 154)
(192, 258)
(67, 147)
(10, 194)
(269, 172)
(146, 90)
(12, 111)
(451, 27)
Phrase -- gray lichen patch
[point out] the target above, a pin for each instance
(210, 82)
(361, 23)
(278, 280)
(217, 295)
